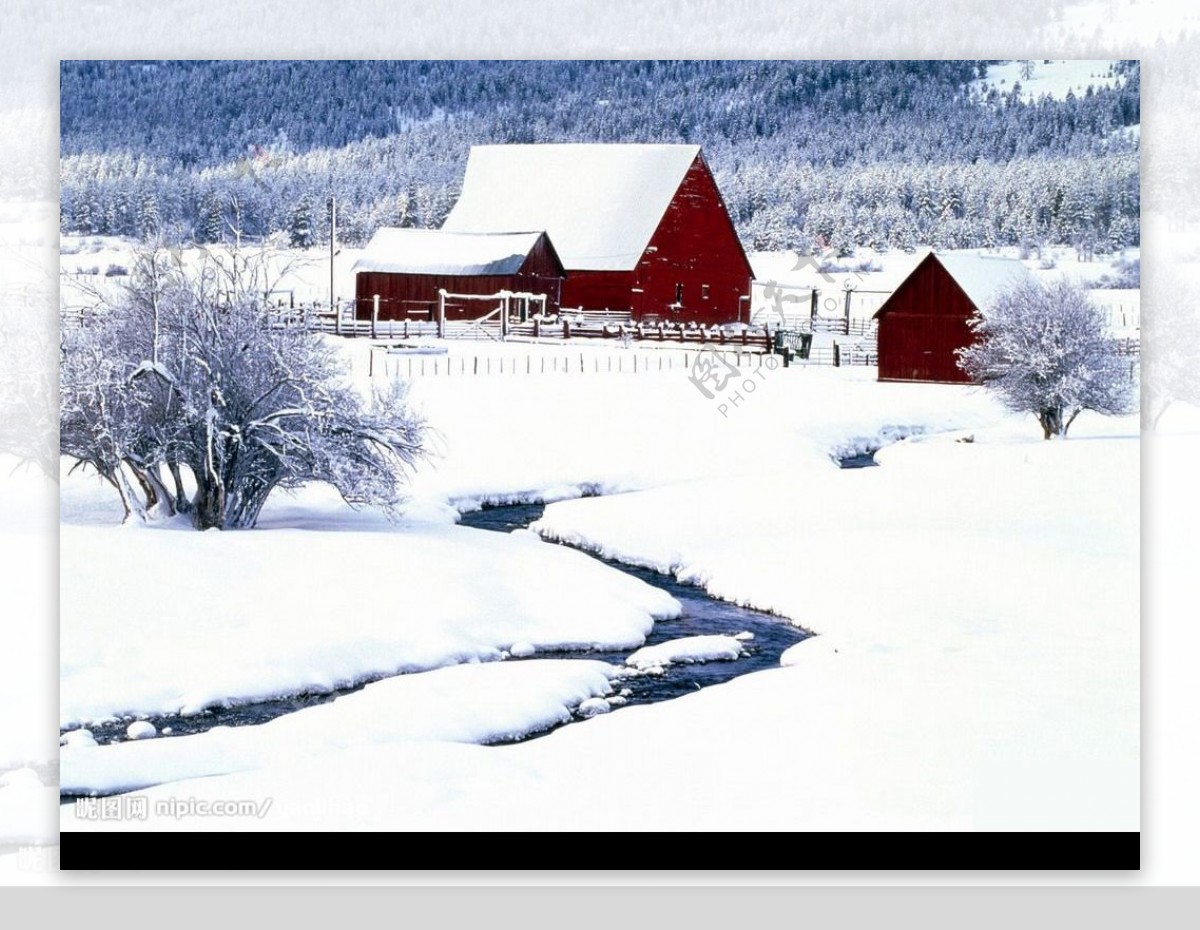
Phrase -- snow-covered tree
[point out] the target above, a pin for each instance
(300, 228)
(1046, 351)
(187, 374)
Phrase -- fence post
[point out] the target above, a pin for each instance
(849, 294)
(441, 317)
(837, 355)
(374, 316)
(812, 308)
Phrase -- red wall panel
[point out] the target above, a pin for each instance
(695, 245)
(922, 324)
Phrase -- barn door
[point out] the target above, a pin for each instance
(637, 301)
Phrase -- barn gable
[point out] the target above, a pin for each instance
(925, 321)
(978, 277)
(600, 204)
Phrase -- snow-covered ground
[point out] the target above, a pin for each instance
(977, 603)
(1050, 78)
(469, 703)
(162, 620)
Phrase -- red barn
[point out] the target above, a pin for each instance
(925, 319)
(408, 267)
(639, 228)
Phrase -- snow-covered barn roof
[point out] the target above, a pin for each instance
(600, 204)
(434, 251)
(982, 277)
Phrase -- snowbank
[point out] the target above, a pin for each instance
(471, 703)
(165, 619)
(687, 649)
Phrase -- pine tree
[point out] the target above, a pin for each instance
(300, 229)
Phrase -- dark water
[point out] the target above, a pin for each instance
(237, 716)
(858, 460)
(702, 615)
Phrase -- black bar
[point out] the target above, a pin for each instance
(813, 851)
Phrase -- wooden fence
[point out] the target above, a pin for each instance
(385, 363)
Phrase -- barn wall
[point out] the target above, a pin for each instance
(415, 296)
(542, 273)
(598, 290)
(695, 245)
(921, 326)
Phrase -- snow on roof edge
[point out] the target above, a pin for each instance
(398, 250)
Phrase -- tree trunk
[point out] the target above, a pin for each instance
(129, 499)
(1051, 419)
(182, 504)
(157, 495)
(209, 506)
(147, 486)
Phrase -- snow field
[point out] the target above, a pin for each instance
(314, 606)
(977, 600)
(470, 703)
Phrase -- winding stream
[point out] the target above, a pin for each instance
(702, 615)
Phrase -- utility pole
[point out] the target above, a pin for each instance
(337, 316)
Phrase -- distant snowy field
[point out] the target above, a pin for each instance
(1054, 78)
(977, 605)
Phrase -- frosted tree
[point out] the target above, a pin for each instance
(1046, 351)
(300, 227)
(186, 375)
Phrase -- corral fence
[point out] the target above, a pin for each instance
(385, 362)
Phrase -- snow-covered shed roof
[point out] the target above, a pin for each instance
(600, 204)
(434, 251)
(982, 277)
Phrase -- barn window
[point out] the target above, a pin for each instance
(679, 293)
(704, 292)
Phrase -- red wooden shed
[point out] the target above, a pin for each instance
(640, 228)
(925, 320)
(408, 267)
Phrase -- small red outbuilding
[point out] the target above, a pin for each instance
(407, 268)
(925, 320)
